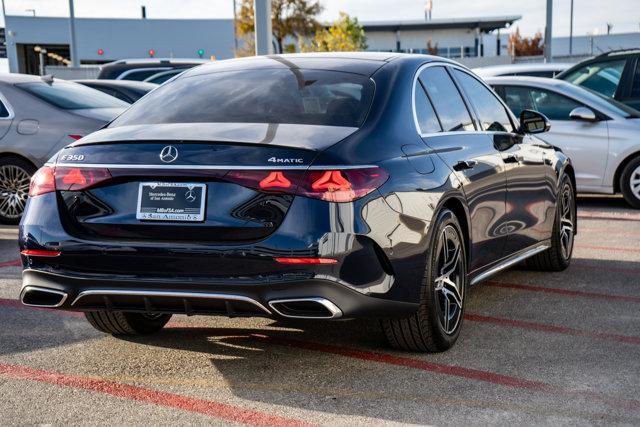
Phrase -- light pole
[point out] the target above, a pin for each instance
(548, 32)
(571, 31)
(73, 48)
(262, 24)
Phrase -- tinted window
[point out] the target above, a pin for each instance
(518, 99)
(160, 78)
(114, 93)
(447, 101)
(547, 74)
(427, 119)
(602, 77)
(71, 96)
(552, 105)
(492, 114)
(141, 74)
(4, 112)
(635, 89)
(257, 96)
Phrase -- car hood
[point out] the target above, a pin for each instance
(310, 137)
(102, 114)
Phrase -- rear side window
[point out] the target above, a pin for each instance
(293, 96)
(427, 119)
(635, 88)
(602, 77)
(4, 111)
(518, 99)
(447, 101)
(492, 114)
(71, 96)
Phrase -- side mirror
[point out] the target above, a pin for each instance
(583, 113)
(533, 122)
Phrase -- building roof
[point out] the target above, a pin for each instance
(488, 23)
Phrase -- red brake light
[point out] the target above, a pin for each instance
(43, 181)
(75, 136)
(48, 179)
(345, 185)
(306, 260)
(275, 180)
(40, 252)
(79, 178)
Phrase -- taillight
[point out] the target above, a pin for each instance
(48, 179)
(43, 181)
(75, 137)
(343, 185)
(76, 179)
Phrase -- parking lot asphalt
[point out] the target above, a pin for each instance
(536, 348)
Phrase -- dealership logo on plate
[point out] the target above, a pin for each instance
(169, 154)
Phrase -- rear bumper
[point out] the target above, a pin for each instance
(286, 297)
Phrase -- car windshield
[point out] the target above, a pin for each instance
(292, 96)
(599, 100)
(71, 96)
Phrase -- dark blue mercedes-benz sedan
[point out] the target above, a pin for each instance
(319, 186)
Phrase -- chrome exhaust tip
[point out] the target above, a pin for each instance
(35, 296)
(306, 308)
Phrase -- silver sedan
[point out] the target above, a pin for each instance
(38, 116)
(600, 135)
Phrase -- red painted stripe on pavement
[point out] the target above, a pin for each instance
(567, 292)
(207, 407)
(552, 328)
(608, 248)
(457, 371)
(14, 263)
(603, 268)
(616, 233)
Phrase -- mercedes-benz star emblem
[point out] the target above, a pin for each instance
(190, 196)
(169, 154)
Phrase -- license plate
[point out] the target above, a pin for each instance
(171, 201)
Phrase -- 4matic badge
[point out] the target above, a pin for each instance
(285, 160)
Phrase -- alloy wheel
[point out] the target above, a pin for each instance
(567, 221)
(14, 190)
(634, 182)
(449, 284)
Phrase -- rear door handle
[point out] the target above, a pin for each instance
(465, 164)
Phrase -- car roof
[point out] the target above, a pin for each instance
(154, 61)
(13, 78)
(118, 83)
(365, 63)
(494, 70)
(568, 89)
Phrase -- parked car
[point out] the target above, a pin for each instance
(140, 69)
(548, 69)
(614, 74)
(599, 134)
(128, 91)
(38, 116)
(365, 185)
(163, 76)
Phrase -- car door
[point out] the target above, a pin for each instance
(585, 142)
(473, 159)
(529, 192)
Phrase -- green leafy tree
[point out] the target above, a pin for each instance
(345, 35)
(289, 18)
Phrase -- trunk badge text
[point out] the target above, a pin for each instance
(281, 160)
(169, 154)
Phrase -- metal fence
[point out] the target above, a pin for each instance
(71, 73)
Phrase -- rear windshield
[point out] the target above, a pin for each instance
(71, 96)
(292, 96)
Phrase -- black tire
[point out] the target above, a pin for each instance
(120, 323)
(558, 256)
(425, 331)
(631, 191)
(15, 175)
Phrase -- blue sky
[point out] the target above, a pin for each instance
(591, 16)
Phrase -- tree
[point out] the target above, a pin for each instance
(525, 46)
(289, 18)
(345, 35)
